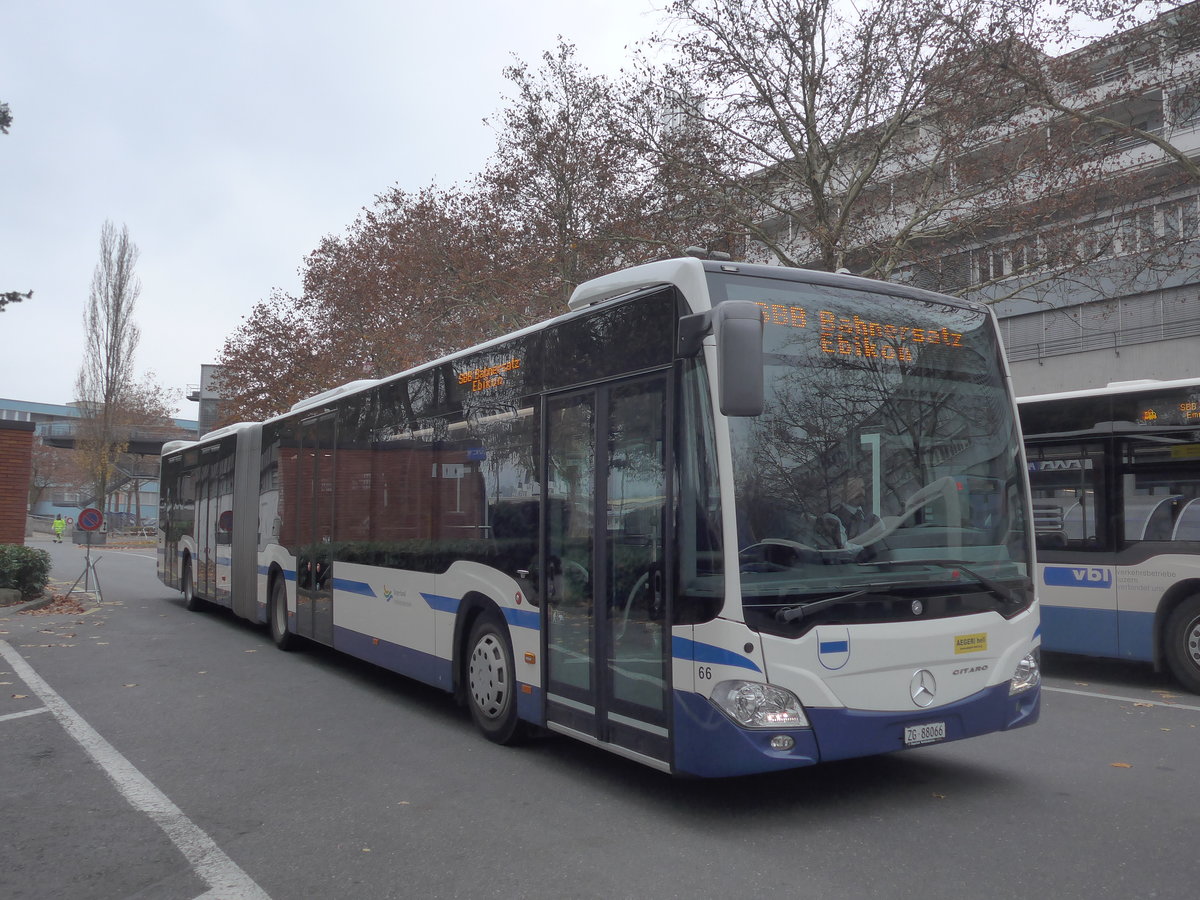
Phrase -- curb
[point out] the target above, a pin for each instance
(36, 603)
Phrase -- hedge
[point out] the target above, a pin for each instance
(24, 568)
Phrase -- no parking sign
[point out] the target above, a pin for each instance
(90, 519)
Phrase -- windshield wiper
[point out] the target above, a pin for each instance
(1002, 591)
(795, 613)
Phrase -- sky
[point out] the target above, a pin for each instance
(229, 137)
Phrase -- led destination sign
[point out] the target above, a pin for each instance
(488, 376)
(856, 336)
(1182, 409)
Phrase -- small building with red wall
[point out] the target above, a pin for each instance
(16, 468)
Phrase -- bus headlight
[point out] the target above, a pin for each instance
(755, 705)
(1028, 674)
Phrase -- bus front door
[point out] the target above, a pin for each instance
(314, 575)
(606, 618)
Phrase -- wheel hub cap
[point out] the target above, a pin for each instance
(488, 677)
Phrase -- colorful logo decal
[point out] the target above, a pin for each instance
(387, 594)
(1078, 576)
(833, 647)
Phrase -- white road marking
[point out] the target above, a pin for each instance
(223, 876)
(1140, 700)
(21, 715)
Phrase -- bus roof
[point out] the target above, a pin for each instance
(1114, 388)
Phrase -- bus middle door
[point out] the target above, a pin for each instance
(314, 576)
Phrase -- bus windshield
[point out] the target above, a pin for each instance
(882, 480)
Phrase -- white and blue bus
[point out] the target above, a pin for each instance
(717, 518)
(1115, 473)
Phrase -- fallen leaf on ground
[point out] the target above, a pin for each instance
(1121, 765)
(131, 685)
(19, 696)
(59, 606)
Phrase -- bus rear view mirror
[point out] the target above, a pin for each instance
(738, 327)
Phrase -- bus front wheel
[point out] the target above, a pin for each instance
(490, 677)
(283, 638)
(1183, 643)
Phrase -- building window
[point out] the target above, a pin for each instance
(1185, 106)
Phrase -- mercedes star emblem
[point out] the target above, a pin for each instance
(922, 688)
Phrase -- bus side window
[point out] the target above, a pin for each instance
(1065, 480)
(1160, 492)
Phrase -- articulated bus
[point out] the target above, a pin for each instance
(1115, 474)
(716, 518)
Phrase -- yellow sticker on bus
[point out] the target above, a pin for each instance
(970, 643)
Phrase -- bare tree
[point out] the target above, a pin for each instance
(565, 175)
(105, 381)
(808, 112)
(7, 297)
(871, 136)
(417, 275)
(1118, 114)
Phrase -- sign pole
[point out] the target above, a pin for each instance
(90, 521)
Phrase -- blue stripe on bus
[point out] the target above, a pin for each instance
(353, 587)
(1135, 634)
(288, 574)
(1117, 634)
(684, 648)
(708, 743)
(400, 659)
(1069, 629)
(523, 618)
(424, 667)
(1098, 633)
(440, 603)
(834, 647)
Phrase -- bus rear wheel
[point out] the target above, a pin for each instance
(1183, 643)
(490, 680)
(283, 638)
(190, 600)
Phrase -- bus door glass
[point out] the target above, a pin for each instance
(1160, 506)
(314, 575)
(1074, 546)
(604, 579)
(205, 572)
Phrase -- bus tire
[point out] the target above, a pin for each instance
(190, 600)
(280, 634)
(1183, 643)
(489, 676)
